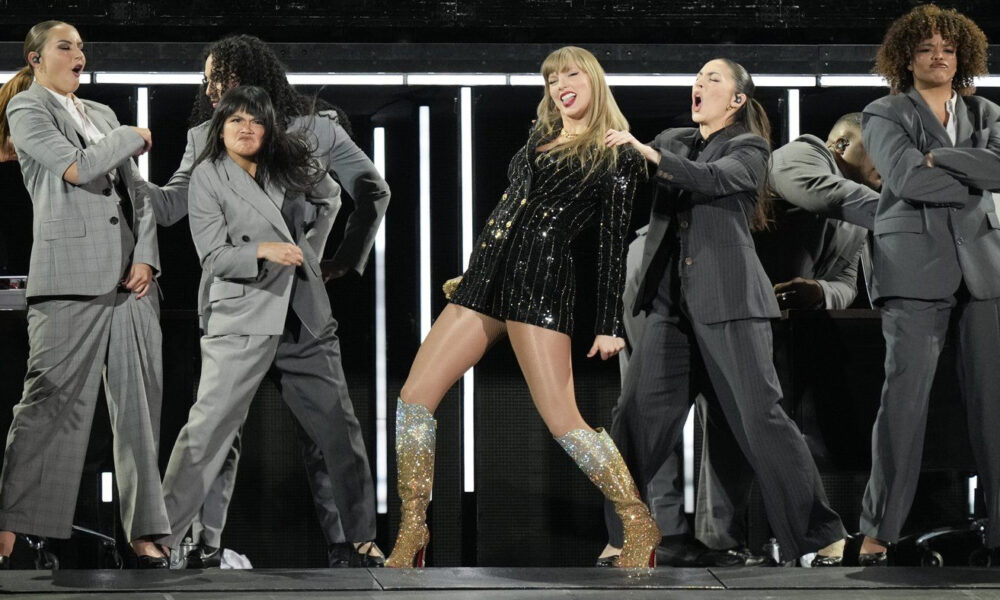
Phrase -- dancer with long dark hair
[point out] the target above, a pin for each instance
(246, 60)
(262, 301)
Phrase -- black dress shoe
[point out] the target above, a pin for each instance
(152, 562)
(874, 559)
(344, 555)
(4, 563)
(608, 561)
(741, 556)
(204, 557)
(827, 561)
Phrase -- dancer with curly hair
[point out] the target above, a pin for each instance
(344, 499)
(936, 257)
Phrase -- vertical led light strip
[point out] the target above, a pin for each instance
(381, 375)
(142, 120)
(468, 382)
(107, 489)
(793, 114)
(689, 461)
(973, 484)
(425, 221)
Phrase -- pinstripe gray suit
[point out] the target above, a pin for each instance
(80, 324)
(708, 303)
(936, 273)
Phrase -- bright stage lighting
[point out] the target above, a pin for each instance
(381, 372)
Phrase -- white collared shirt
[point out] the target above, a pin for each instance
(952, 127)
(78, 111)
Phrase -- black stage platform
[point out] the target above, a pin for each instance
(507, 583)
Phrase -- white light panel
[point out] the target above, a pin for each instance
(148, 78)
(346, 78)
(381, 373)
(463, 79)
(142, 120)
(793, 114)
(468, 381)
(425, 220)
(852, 81)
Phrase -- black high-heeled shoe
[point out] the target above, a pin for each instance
(873, 559)
(146, 561)
(152, 562)
(204, 557)
(345, 555)
(820, 561)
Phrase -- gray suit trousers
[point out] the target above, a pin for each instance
(915, 332)
(73, 341)
(731, 364)
(209, 523)
(311, 379)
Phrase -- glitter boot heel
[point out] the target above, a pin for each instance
(596, 455)
(415, 439)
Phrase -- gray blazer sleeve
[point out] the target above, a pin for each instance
(841, 290)
(742, 169)
(170, 202)
(976, 167)
(803, 176)
(35, 133)
(363, 183)
(147, 249)
(219, 257)
(325, 196)
(901, 163)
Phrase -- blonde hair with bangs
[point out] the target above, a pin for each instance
(588, 148)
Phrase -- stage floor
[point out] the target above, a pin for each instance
(507, 584)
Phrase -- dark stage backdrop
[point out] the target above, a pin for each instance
(476, 21)
(531, 505)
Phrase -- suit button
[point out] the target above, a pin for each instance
(960, 241)
(113, 220)
(684, 224)
(106, 191)
(689, 261)
(246, 238)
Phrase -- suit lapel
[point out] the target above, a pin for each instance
(66, 122)
(247, 189)
(964, 124)
(930, 122)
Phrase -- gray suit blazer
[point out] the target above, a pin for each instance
(831, 215)
(77, 247)
(338, 154)
(721, 276)
(935, 226)
(229, 215)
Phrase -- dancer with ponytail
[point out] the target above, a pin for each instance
(92, 302)
(708, 303)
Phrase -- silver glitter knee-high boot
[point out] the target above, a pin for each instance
(597, 456)
(416, 433)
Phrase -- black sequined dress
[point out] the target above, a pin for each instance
(521, 268)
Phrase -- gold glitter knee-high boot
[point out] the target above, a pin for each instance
(415, 438)
(597, 456)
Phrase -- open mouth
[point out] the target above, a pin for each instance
(77, 70)
(696, 101)
(568, 98)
